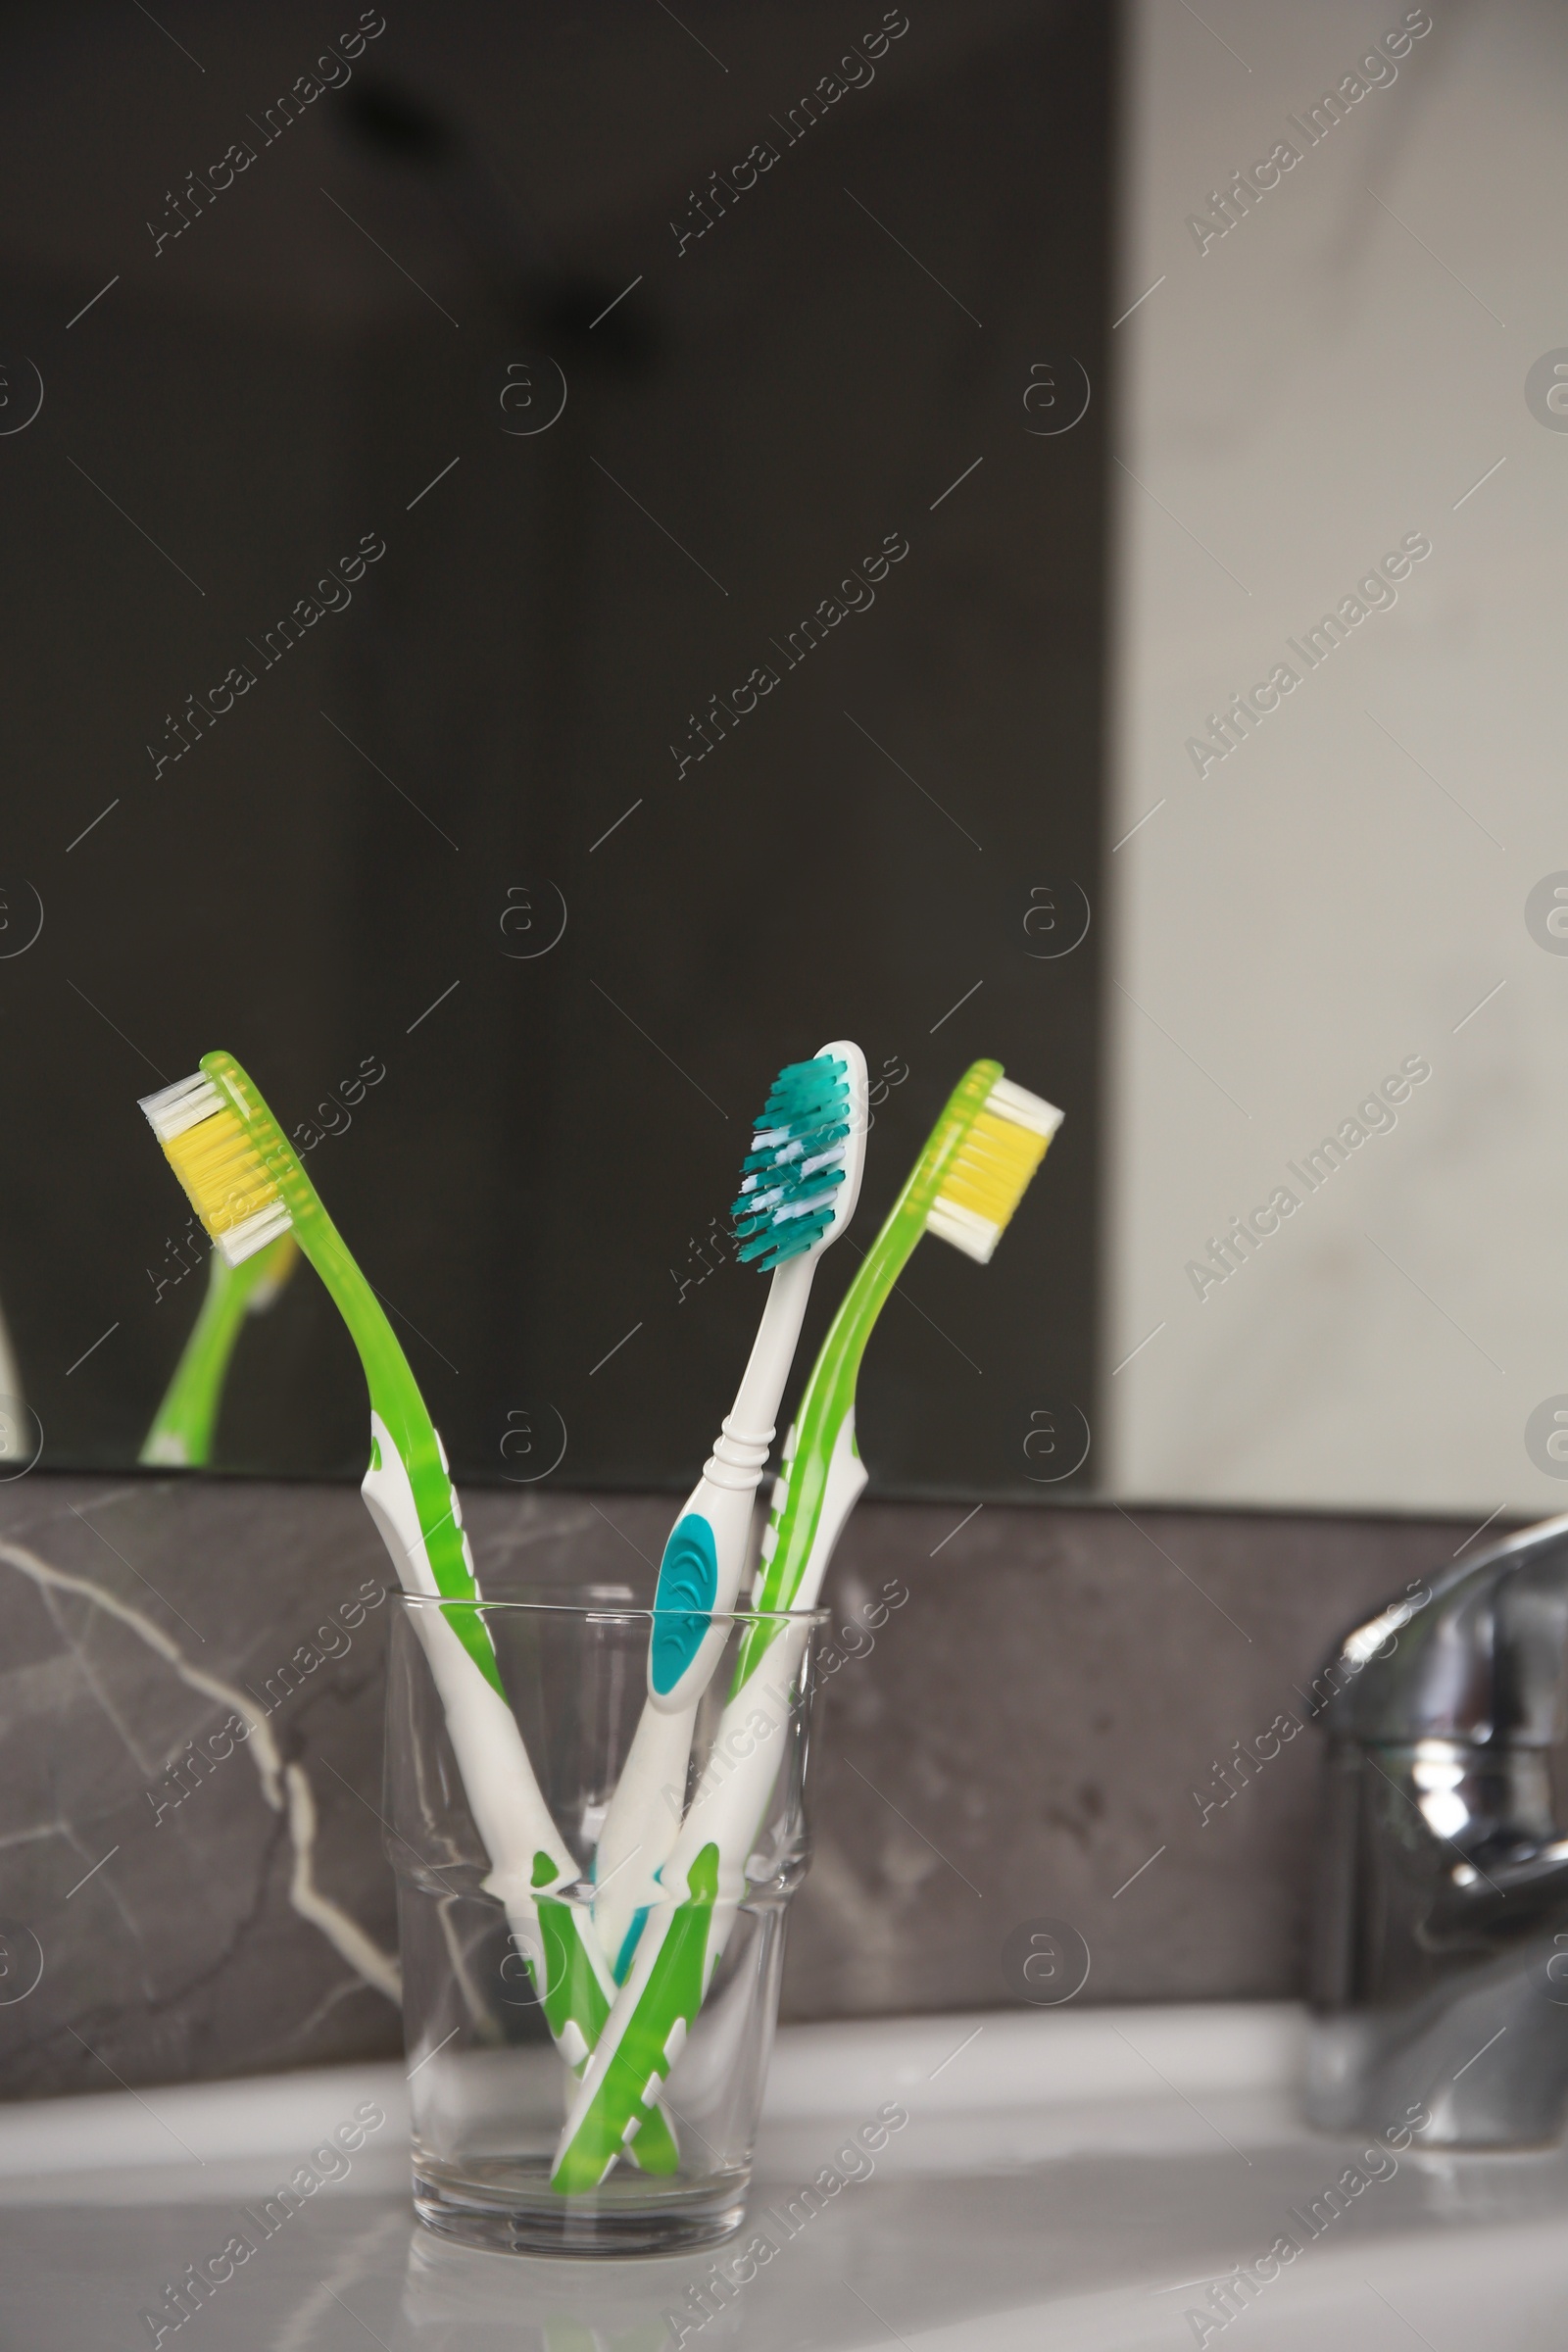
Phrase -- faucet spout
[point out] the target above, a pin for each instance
(1441, 1925)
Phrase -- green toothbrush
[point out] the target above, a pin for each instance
(246, 1185)
(965, 1187)
(184, 1425)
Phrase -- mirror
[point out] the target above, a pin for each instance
(549, 574)
(550, 577)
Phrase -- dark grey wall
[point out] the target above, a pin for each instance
(1022, 1738)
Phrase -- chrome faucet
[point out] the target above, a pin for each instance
(1440, 1960)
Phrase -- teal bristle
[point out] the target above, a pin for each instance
(794, 1164)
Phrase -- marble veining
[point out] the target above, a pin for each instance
(1025, 1710)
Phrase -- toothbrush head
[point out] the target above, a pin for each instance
(802, 1177)
(1002, 1135)
(230, 1155)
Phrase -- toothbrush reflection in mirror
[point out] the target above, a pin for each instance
(977, 1163)
(13, 1404)
(800, 1185)
(249, 1188)
(185, 1423)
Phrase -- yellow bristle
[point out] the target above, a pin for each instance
(223, 1171)
(991, 1172)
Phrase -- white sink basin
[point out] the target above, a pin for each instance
(1063, 2181)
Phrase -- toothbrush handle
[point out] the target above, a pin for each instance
(721, 1504)
(839, 1489)
(181, 1431)
(699, 1579)
(528, 1858)
(639, 1830)
(702, 1566)
(703, 1883)
(767, 1367)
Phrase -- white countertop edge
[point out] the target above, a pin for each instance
(1034, 2058)
(999, 2059)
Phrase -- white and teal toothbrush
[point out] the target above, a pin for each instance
(965, 1187)
(799, 1184)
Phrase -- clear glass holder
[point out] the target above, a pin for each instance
(491, 2083)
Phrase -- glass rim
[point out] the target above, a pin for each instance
(612, 1613)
